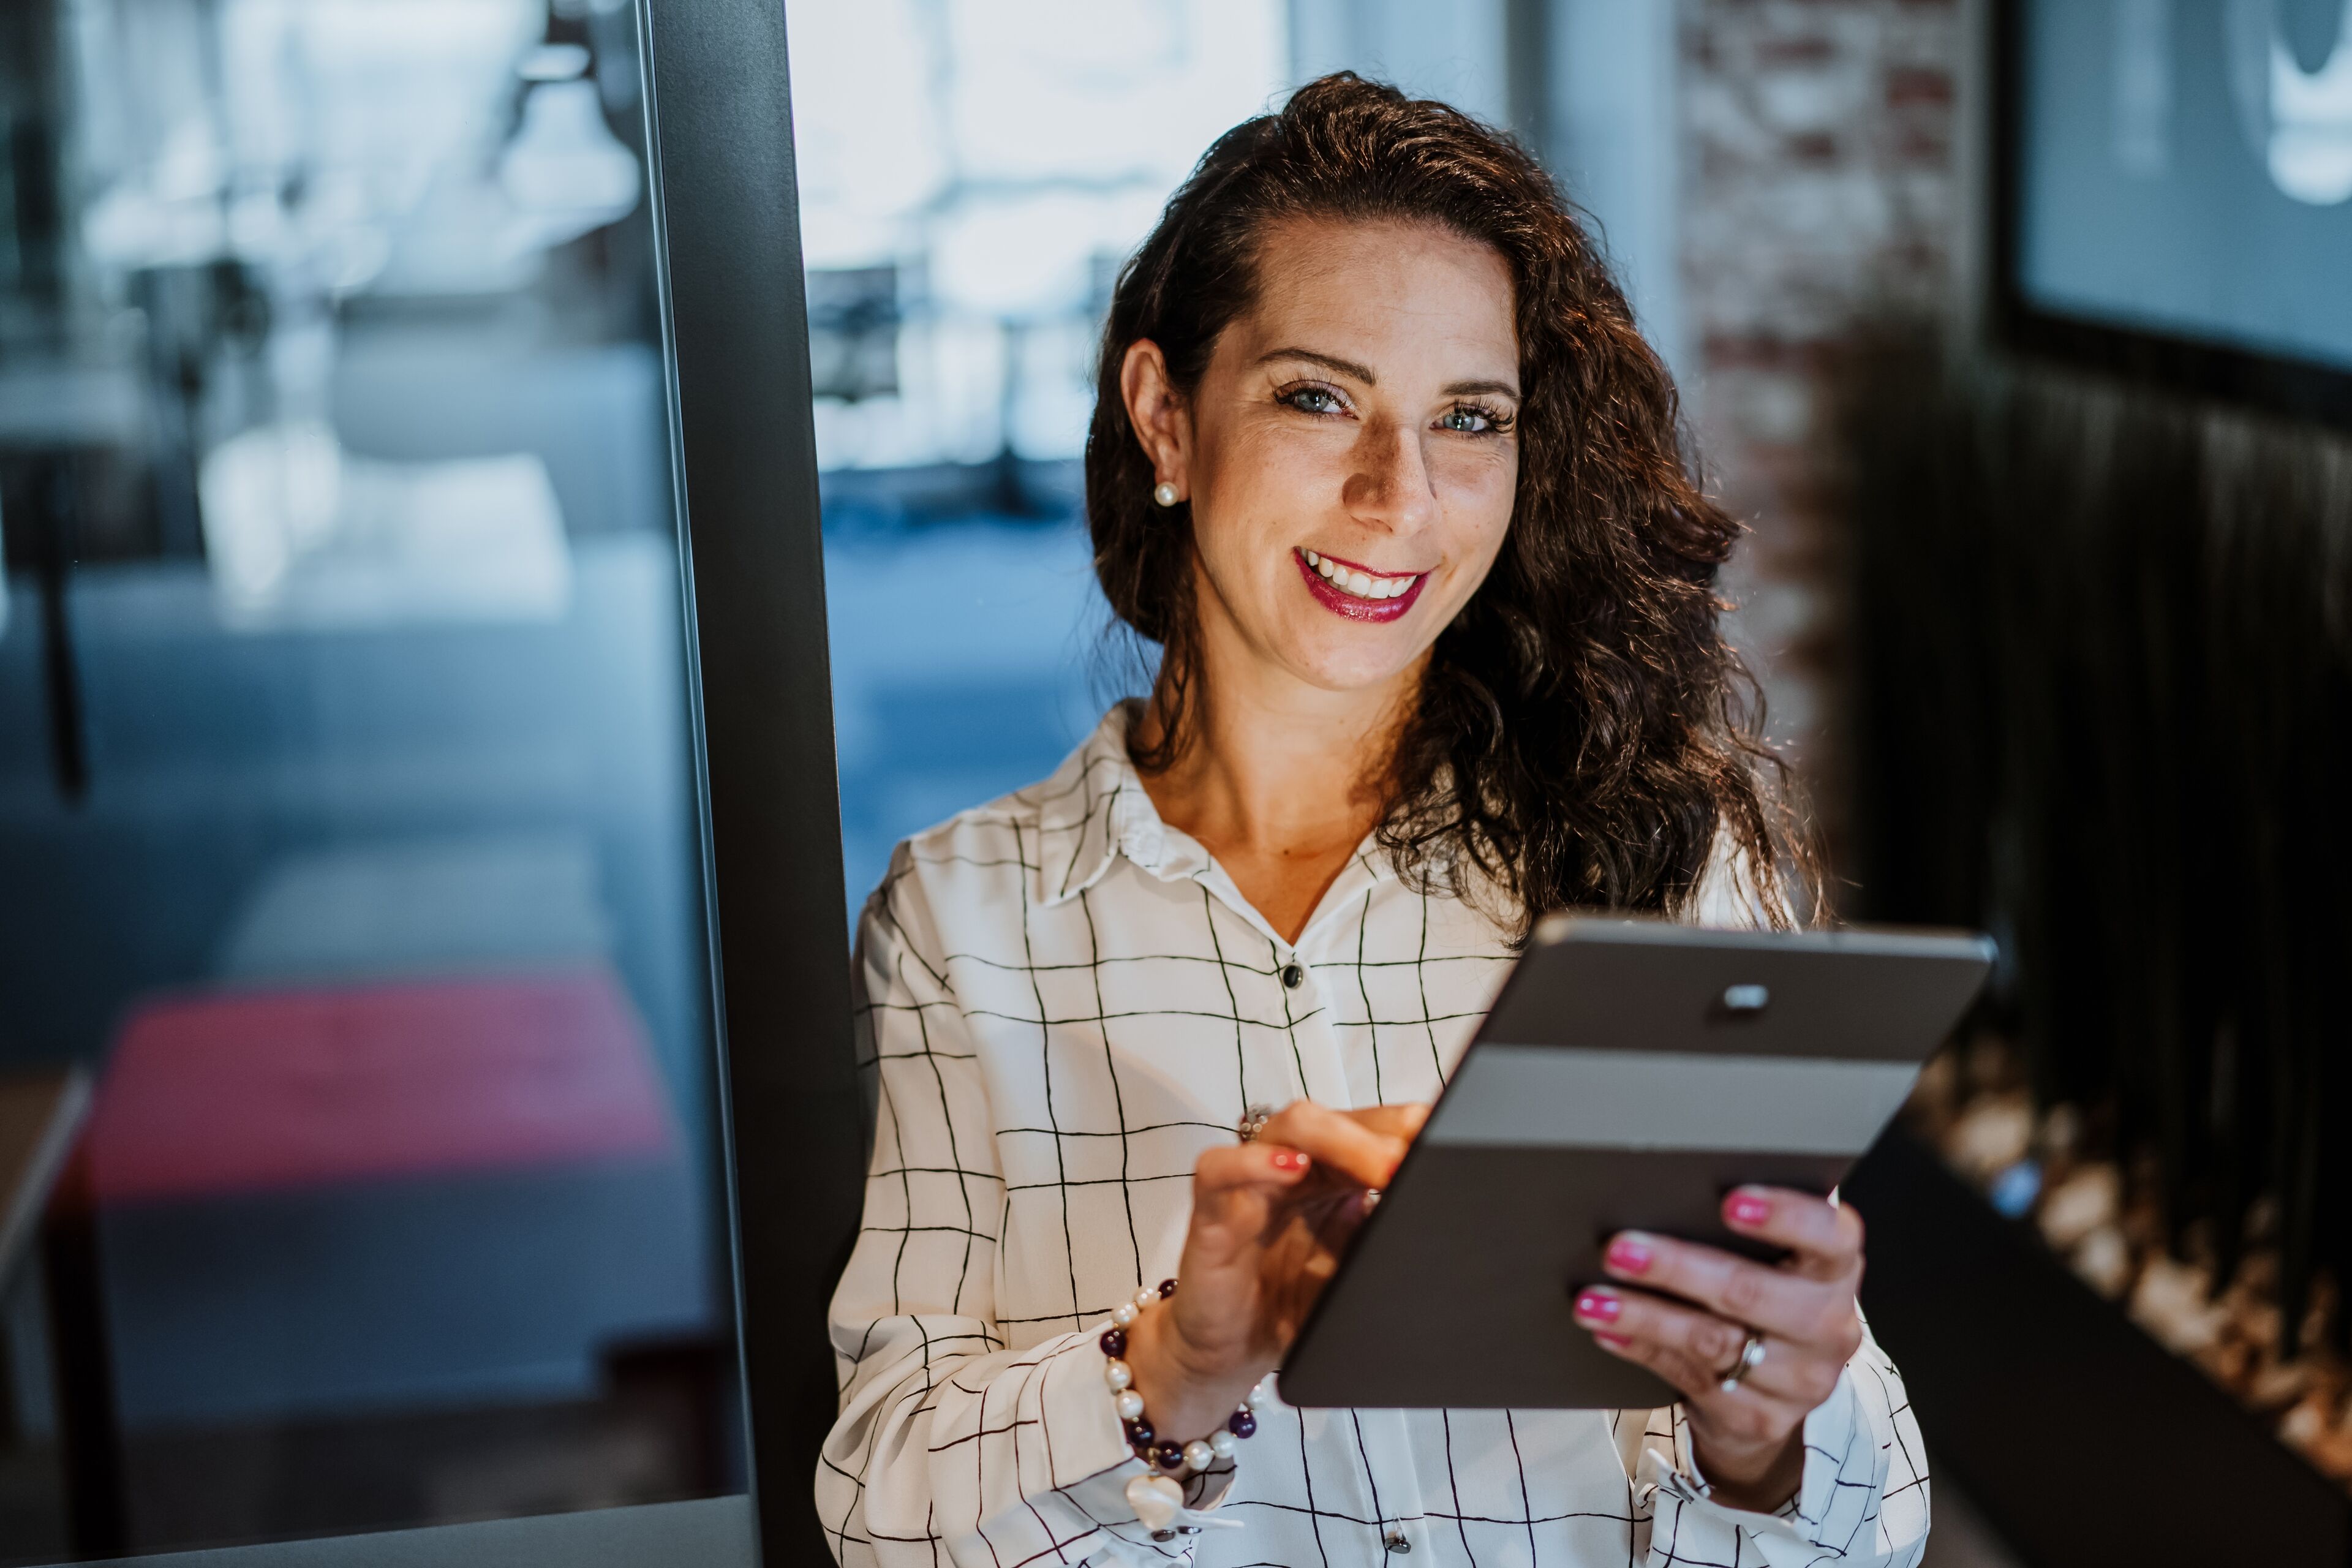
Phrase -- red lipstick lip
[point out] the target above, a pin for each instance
(1348, 605)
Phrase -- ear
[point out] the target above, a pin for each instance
(1157, 414)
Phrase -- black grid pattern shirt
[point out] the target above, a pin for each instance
(1063, 1003)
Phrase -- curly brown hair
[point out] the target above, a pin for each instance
(1584, 735)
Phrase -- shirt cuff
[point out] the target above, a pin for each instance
(1091, 1461)
(1699, 1529)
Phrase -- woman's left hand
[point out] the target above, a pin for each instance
(1749, 1437)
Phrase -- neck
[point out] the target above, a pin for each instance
(1280, 779)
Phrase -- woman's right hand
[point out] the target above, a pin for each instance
(1269, 1220)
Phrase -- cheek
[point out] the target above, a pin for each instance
(1263, 479)
(1480, 489)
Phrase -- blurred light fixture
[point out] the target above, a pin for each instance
(2298, 121)
(565, 172)
(300, 534)
(554, 62)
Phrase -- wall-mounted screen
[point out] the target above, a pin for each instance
(2181, 170)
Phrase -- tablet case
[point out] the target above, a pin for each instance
(1630, 1074)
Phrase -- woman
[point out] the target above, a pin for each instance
(1381, 461)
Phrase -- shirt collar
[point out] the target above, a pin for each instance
(1093, 810)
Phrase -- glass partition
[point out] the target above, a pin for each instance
(354, 1002)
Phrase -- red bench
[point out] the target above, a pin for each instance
(246, 1091)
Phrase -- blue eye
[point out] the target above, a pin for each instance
(1470, 421)
(1314, 400)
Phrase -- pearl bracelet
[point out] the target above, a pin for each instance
(1177, 1460)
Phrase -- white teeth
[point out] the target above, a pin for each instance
(1362, 585)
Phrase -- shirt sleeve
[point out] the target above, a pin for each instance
(948, 1439)
(1731, 897)
(1862, 1502)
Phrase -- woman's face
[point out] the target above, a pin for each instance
(1352, 452)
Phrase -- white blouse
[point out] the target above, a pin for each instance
(1063, 1001)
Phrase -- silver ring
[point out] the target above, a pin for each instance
(1253, 1121)
(1751, 1356)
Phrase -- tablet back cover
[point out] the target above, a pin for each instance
(1630, 1074)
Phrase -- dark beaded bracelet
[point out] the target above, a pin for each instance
(1174, 1458)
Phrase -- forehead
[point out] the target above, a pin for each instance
(1382, 290)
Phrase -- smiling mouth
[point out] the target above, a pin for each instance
(1357, 592)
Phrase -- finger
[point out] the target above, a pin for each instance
(1299, 1260)
(1707, 1341)
(1393, 1120)
(1235, 1190)
(1802, 1376)
(1775, 1301)
(1342, 1144)
(1823, 1237)
(1742, 1412)
(1339, 1141)
(1226, 1233)
(1270, 1167)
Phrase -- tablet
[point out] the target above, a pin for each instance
(1630, 1074)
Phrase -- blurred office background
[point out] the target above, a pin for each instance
(354, 1009)
(973, 175)
(2017, 332)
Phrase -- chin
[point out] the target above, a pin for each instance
(1352, 668)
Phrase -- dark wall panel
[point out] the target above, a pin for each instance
(722, 114)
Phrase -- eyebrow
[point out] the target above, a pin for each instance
(1347, 367)
(1364, 372)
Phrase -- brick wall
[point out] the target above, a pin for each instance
(1823, 178)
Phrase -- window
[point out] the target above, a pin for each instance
(349, 844)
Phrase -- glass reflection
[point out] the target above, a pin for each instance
(972, 174)
(347, 844)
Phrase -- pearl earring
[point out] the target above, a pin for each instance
(1165, 493)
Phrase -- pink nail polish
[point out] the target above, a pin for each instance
(1628, 1254)
(1746, 1209)
(1595, 1305)
(1606, 1338)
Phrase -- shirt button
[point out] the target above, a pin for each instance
(1293, 977)
(1398, 1543)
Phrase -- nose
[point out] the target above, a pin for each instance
(1391, 487)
